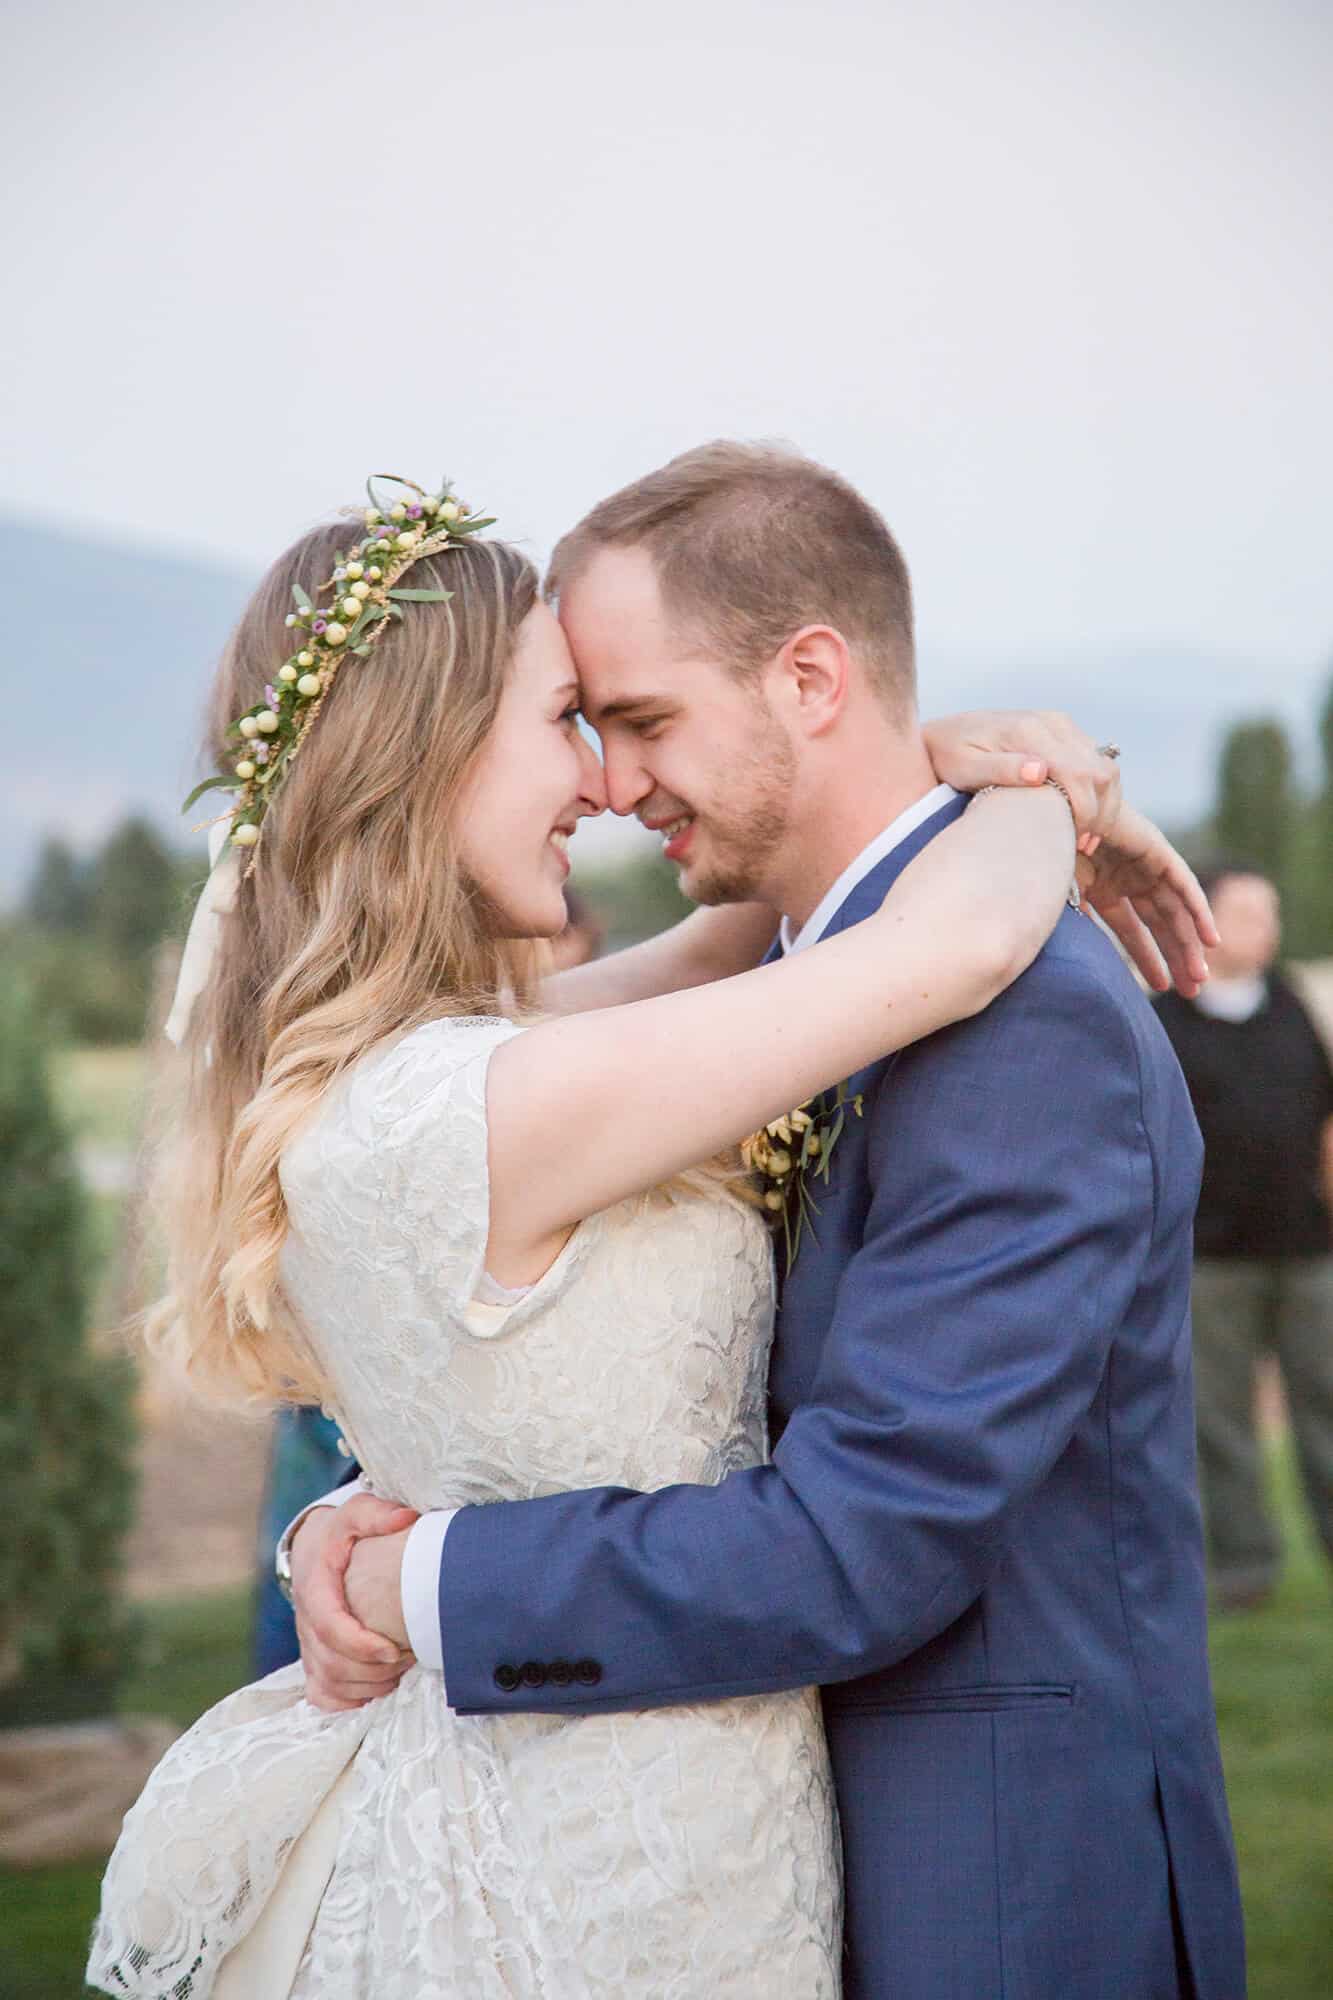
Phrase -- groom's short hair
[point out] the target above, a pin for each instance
(751, 542)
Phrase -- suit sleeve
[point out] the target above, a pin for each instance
(1012, 1206)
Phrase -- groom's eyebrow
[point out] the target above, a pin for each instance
(633, 707)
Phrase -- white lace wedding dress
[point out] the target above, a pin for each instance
(400, 1851)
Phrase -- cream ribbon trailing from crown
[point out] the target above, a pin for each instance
(217, 899)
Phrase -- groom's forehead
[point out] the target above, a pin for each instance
(630, 654)
(612, 693)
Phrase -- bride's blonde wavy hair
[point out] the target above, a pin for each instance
(357, 923)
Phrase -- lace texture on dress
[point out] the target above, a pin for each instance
(673, 1854)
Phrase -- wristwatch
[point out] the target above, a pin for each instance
(282, 1558)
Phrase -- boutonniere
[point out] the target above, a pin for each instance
(791, 1153)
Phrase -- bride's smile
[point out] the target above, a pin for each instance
(535, 778)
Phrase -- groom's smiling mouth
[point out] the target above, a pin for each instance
(675, 834)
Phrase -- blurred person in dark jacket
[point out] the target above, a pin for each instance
(1260, 1077)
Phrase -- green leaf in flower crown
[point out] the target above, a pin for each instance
(210, 785)
(422, 596)
(301, 598)
(364, 624)
(470, 527)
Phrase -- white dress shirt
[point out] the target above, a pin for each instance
(894, 834)
(423, 1553)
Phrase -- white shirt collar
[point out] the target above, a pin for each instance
(1233, 999)
(856, 871)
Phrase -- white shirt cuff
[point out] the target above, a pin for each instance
(420, 1586)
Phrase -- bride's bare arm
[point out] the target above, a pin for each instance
(588, 1109)
(706, 945)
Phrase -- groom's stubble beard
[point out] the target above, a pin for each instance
(749, 823)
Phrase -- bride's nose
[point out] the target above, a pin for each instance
(592, 782)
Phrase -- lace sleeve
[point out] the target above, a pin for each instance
(427, 1101)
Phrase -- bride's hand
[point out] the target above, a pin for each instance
(1025, 747)
(1144, 892)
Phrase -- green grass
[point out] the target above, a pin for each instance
(1273, 1678)
(45, 1918)
(1273, 1673)
(196, 1650)
(101, 1093)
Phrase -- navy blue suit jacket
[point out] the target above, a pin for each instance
(979, 1530)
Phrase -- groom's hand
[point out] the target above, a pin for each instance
(347, 1660)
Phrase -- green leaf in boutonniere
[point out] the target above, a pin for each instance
(791, 1152)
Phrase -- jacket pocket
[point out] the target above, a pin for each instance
(959, 1700)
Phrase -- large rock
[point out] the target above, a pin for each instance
(64, 1791)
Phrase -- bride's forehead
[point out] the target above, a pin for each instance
(542, 653)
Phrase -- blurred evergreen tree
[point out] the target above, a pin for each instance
(133, 891)
(66, 1427)
(1255, 806)
(634, 901)
(57, 898)
(87, 935)
(1309, 921)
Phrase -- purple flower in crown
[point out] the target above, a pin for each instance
(271, 695)
(414, 512)
(260, 753)
(321, 625)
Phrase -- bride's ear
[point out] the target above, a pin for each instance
(815, 674)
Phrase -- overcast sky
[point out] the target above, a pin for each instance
(1050, 282)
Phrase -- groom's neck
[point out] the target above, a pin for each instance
(855, 796)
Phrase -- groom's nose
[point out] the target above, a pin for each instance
(627, 783)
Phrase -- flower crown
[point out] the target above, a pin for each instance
(363, 599)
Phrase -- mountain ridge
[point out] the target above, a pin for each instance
(108, 648)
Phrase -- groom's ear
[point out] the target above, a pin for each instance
(814, 670)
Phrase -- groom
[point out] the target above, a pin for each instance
(979, 1529)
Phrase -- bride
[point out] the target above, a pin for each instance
(414, 1185)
